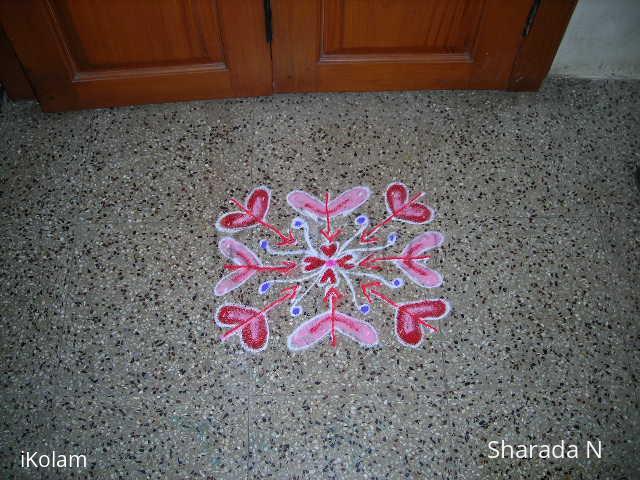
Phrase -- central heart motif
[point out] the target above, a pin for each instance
(330, 263)
(311, 263)
(329, 250)
(328, 276)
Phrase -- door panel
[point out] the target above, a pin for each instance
(99, 33)
(89, 53)
(416, 26)
(395, 44)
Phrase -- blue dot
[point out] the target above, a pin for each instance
(298, 223)
(392, 237)
(398, 282)
(365, 308)
(295, 311)
(264, 288)
(264, 244)
(362, 219)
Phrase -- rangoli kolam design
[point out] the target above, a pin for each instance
(341, 271)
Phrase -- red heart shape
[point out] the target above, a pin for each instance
(312, 263)
(410, 318)
(256, 205)
(344, 262)
(255, 332)
(328, 275)
(399, 204)
(329, 250)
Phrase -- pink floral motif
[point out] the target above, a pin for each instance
(410, 260)
(336, 266)
(239, 255)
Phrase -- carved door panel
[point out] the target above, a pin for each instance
(91, 53)
(333, 45)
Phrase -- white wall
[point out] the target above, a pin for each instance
(602, 41)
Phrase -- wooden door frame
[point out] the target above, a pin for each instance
(531, 66)
(538, 49)
(12, 74)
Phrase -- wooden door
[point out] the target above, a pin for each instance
(92, 53)
(333, 45)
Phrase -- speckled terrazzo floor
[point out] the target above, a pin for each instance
(109, 258)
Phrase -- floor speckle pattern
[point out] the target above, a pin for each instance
(109, 260)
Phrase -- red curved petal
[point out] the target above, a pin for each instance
(427, 309)
(416, 213)
(256, 334)
(230, 315)
(236, 220)
(397, 195)
(258, 202)
(409, 331)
